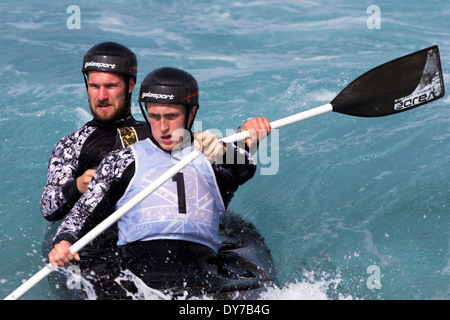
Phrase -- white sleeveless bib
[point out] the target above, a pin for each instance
(188, 207)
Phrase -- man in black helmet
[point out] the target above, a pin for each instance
(170, 239)
(109, 71)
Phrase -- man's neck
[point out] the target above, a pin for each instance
(124, 121)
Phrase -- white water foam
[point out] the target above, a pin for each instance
(311, 287)
(308, 289)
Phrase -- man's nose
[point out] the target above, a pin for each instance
(164, 125)
(102, 94)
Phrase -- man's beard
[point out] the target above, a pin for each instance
(119, 113)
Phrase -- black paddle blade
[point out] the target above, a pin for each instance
(393, 87)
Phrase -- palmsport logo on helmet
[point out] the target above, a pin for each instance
(110, 57)
(157, 95)
(99, 65)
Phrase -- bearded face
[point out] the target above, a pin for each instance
(107, 95)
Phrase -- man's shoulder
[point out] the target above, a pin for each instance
(75, 139)
(80, 133)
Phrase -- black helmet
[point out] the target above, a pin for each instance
(169, 85)
(110, 57)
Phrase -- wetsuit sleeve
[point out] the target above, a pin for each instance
(60, 192)
(99, 201)
(235, 168)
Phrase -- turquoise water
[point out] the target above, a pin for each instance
(348, 194)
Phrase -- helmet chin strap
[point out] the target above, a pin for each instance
(145, 116)
(85, 81)
(128, 94)
(186, 120)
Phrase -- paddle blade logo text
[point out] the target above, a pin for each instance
(430, 87)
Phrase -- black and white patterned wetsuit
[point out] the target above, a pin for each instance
(79, 151)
